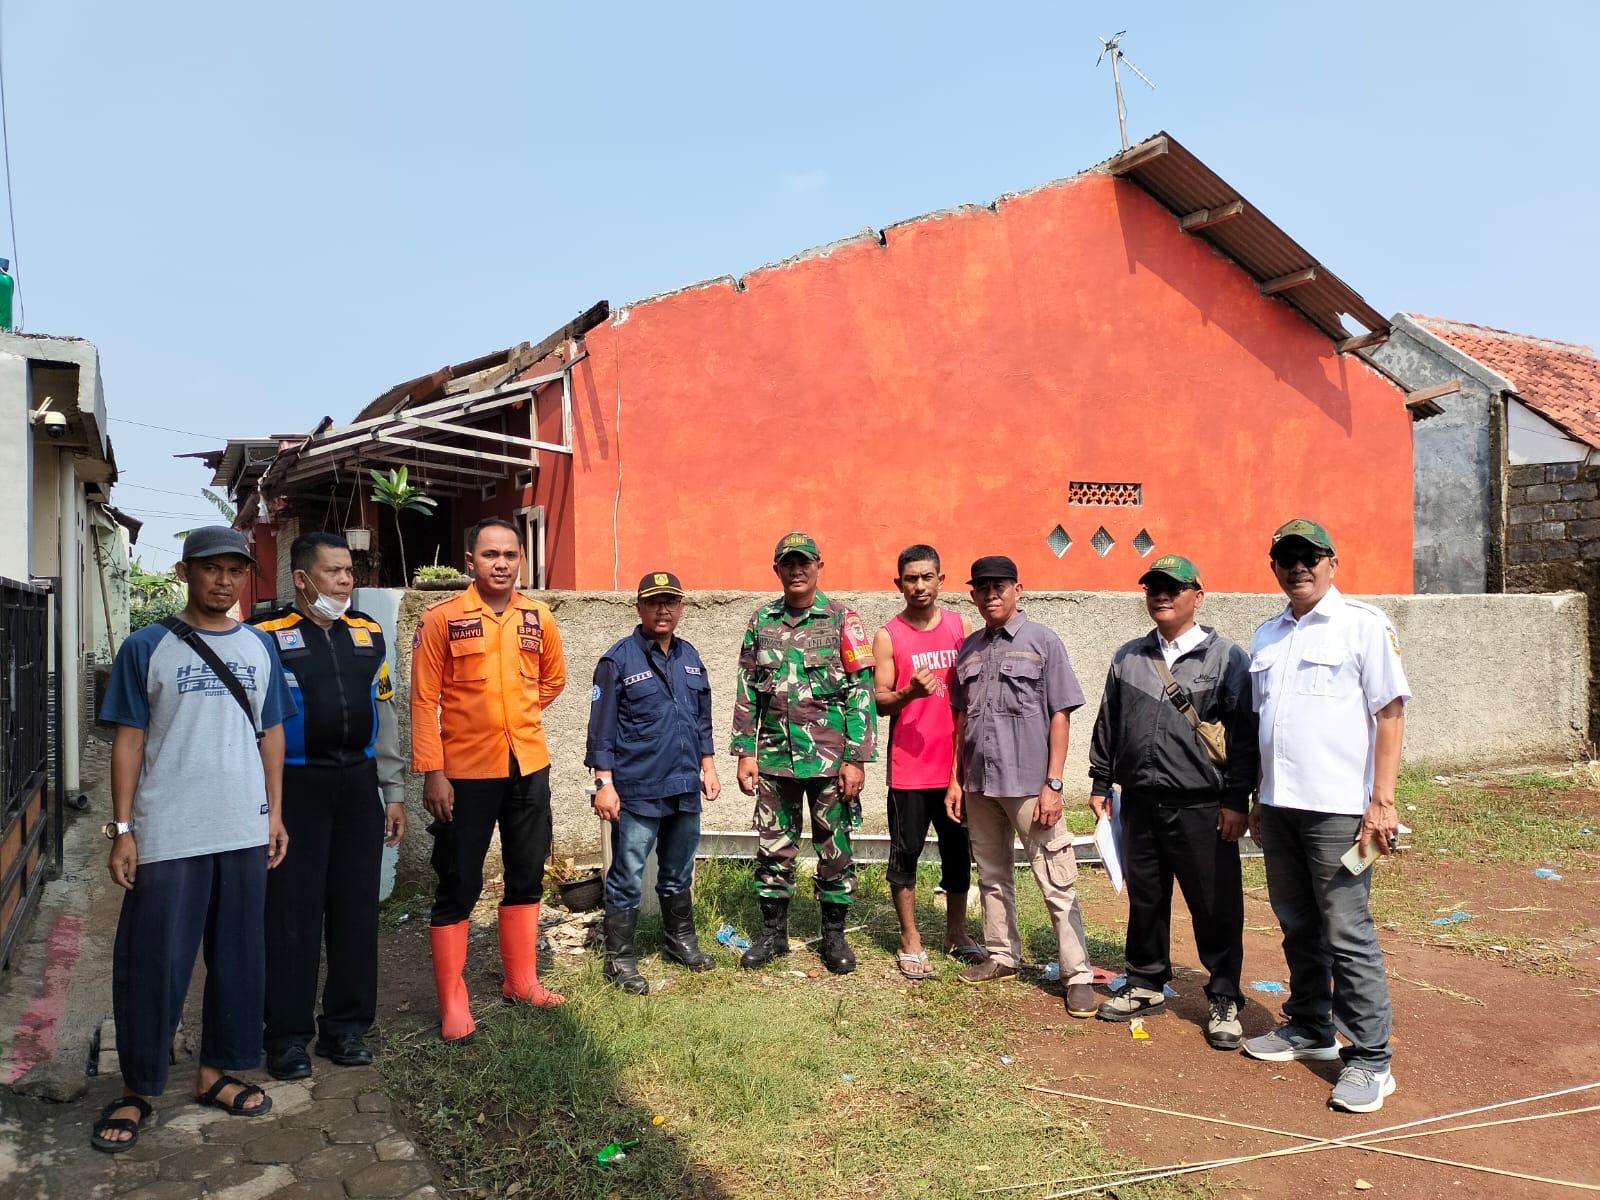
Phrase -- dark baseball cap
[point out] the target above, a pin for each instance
(1307, 531)
(797, 543)
(660, 583)
(213, 541)
(1175, 567)
(993, 566)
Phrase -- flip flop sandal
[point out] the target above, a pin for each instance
(919, 959)
(109, 1124)
(236, 1106)
(967, 954)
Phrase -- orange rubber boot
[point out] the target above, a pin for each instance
(449, 961)
(519, 955)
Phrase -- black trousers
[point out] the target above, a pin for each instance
(325, 890)
(1160, 844)
(910, 811)
(210, 903)
(520, 805)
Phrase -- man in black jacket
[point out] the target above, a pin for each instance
(1182, 813)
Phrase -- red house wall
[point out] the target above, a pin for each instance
(947, 386)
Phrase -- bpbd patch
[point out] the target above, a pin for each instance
(290, 639)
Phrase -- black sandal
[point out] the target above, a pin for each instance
(236, 1107)
(109, 1124)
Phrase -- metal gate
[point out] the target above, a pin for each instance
(25, 707)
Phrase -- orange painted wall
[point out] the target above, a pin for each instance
(948, 385)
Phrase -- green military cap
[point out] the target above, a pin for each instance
(1173, 566)
(797, 543)
(1306, 530)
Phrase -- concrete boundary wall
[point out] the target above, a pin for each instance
(1496, 679)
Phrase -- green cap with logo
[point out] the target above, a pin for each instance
(1173, 566)
(1305, 530)
(797, 543)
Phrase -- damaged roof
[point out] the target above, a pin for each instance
(1558, 380)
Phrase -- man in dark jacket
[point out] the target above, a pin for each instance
(1182, 813)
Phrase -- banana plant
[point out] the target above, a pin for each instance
(395, 492)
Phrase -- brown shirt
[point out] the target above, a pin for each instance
(1009, 682)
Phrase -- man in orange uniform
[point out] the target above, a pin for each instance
(485, 664)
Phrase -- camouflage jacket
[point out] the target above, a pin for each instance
(804, 702)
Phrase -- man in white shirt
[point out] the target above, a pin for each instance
(1330, 693)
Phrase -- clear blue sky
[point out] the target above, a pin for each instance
(264, 214)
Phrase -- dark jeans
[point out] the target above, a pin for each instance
(210, 903)
(326, 888)
(910, 811)
(1160, 844)
(675, 837)
(1336, 973)
(520, 805)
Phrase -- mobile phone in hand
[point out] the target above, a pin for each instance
(1361, 855)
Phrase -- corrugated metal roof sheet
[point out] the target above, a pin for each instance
(1283, 268)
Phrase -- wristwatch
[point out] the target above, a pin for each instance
(594, 785)
(115, 829)
(1055, 785)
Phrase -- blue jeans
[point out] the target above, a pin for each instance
(675, 837)
(1336, 974)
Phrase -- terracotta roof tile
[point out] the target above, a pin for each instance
(1558, 380)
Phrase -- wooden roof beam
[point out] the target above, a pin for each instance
(1137, 156)
(1294, 279)
(1363, 341)
(1205, 218)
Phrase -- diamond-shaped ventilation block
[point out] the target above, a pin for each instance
(1143, 543)
(1058, 541)
(1102, 541)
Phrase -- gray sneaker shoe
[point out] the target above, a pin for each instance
(1131, 1002)
(1288, 1042)
(1223, 1029)
(1361, 1090)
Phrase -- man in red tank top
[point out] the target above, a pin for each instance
(912, 655)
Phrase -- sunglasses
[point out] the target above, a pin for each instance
(1168, 589)
(1285, 559)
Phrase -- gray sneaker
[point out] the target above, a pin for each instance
(1132, 1002)
(1361, 1090)
(1288, 1042)
(1223, 1029)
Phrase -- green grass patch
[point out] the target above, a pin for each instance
(767, 1084)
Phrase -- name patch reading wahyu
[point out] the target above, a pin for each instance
(470, 627)
(639, 678)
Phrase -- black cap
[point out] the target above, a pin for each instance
(993, 566)
(660, 583)
(213, 541)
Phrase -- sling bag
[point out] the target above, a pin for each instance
(195, 642)
(1211, 733)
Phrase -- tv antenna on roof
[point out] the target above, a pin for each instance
(1110, 46)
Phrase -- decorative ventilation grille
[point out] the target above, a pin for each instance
(1127, 495)
(1058, 541)
(1143, 543)
(1102, 541)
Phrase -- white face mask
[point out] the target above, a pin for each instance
(328, 608)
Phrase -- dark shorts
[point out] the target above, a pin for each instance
(910, 811)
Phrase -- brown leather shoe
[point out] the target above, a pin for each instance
(987, 971)
(1081, 1000)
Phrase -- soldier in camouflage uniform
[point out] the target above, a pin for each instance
(803, 725)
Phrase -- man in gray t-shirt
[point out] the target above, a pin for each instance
(195, 791)
(1013, 693)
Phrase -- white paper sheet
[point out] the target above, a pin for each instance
(1108, 840)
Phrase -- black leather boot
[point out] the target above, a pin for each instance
(774, 940)
(677, 933)
(835, 951)
(622, 963)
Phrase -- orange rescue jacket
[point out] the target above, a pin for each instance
(479, 683)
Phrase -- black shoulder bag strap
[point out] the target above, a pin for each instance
(195, 642)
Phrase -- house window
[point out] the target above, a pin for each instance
(1143, 543)
(1126, 495)
(1058, 541)
(1102, 541)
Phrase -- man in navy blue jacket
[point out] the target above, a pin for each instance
(651, 750)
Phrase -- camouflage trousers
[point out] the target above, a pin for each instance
(778, 824)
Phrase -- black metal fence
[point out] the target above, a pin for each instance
(25, 707)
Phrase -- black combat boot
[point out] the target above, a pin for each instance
(622, 963)
(774, 940)
(835, 951)
(677, 931)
